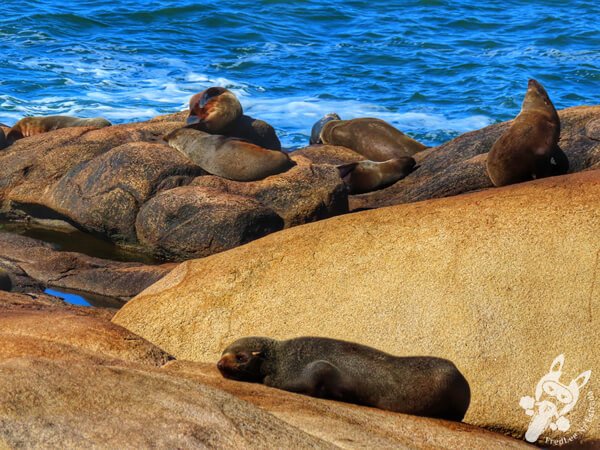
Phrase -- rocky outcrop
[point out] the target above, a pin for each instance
(104, 181)
(304, 193)
(192, 222)
(36, 265)
(500, 282)
(458, 166)
(71, 379)
(105, 194)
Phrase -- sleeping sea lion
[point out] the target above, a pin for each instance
(529, 148)
(345, 371)
(367, 176)
(217, 110)
(375, 139)
(30, 126)
(213, 109)
(227, 157)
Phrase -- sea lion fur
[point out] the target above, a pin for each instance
(230, 158)
(367, 176)
(345, 371)
(30, 126)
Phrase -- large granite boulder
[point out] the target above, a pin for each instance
(304, 193)
(69, 378)
(193, 221)
(31, 167)
(500, 282)
(458, 166)
(35, 265)
(105, 194)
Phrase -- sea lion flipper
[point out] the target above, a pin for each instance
(346, 169)
(559, 161)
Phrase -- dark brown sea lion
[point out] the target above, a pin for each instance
(345, 371)
(217, 110)
(529, 148)
(367, 176)
(30, 126)
(5, 281)
(227, 157)
(375, 139)
(3, 140)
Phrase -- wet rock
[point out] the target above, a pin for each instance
(506, 278)
(104, 195)
(193, 221)
(458, 166)
(36, 265)
(303, 194)
(5, 280)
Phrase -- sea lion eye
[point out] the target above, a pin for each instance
(241, 357)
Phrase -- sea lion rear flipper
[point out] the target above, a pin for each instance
(346, 169)
(556, 164)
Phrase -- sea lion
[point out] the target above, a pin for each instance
(227, 157)
(5, 281)
(315, 132)
(529, 148)
(30, 126)
(3, 140)
(217, 110)
(367, 176)
(345, 371)
(213, 109)
(375, 139)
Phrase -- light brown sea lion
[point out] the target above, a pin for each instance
(217, 110)
(213, 109)
(529, 148)
(349, 372)
(375, 139)
(367, 176)
(227, 157)
(30, 126)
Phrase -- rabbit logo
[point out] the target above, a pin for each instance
(553, 401)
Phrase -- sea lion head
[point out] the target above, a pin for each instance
(243, 360)
(315, 132)
(213, 109)
(536, 97)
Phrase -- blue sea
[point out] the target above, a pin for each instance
(433, 68)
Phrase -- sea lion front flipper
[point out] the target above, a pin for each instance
(324, 380)
(346, 169)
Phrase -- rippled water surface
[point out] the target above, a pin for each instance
(433, 68)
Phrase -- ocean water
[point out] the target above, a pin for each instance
(433, 68)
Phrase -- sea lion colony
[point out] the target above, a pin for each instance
(224, 142)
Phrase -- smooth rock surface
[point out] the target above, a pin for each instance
(193, 221)
(69, 378)
(346, 425)
(458, 166)
(500, 282)
(35, 265)
(304, 193)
